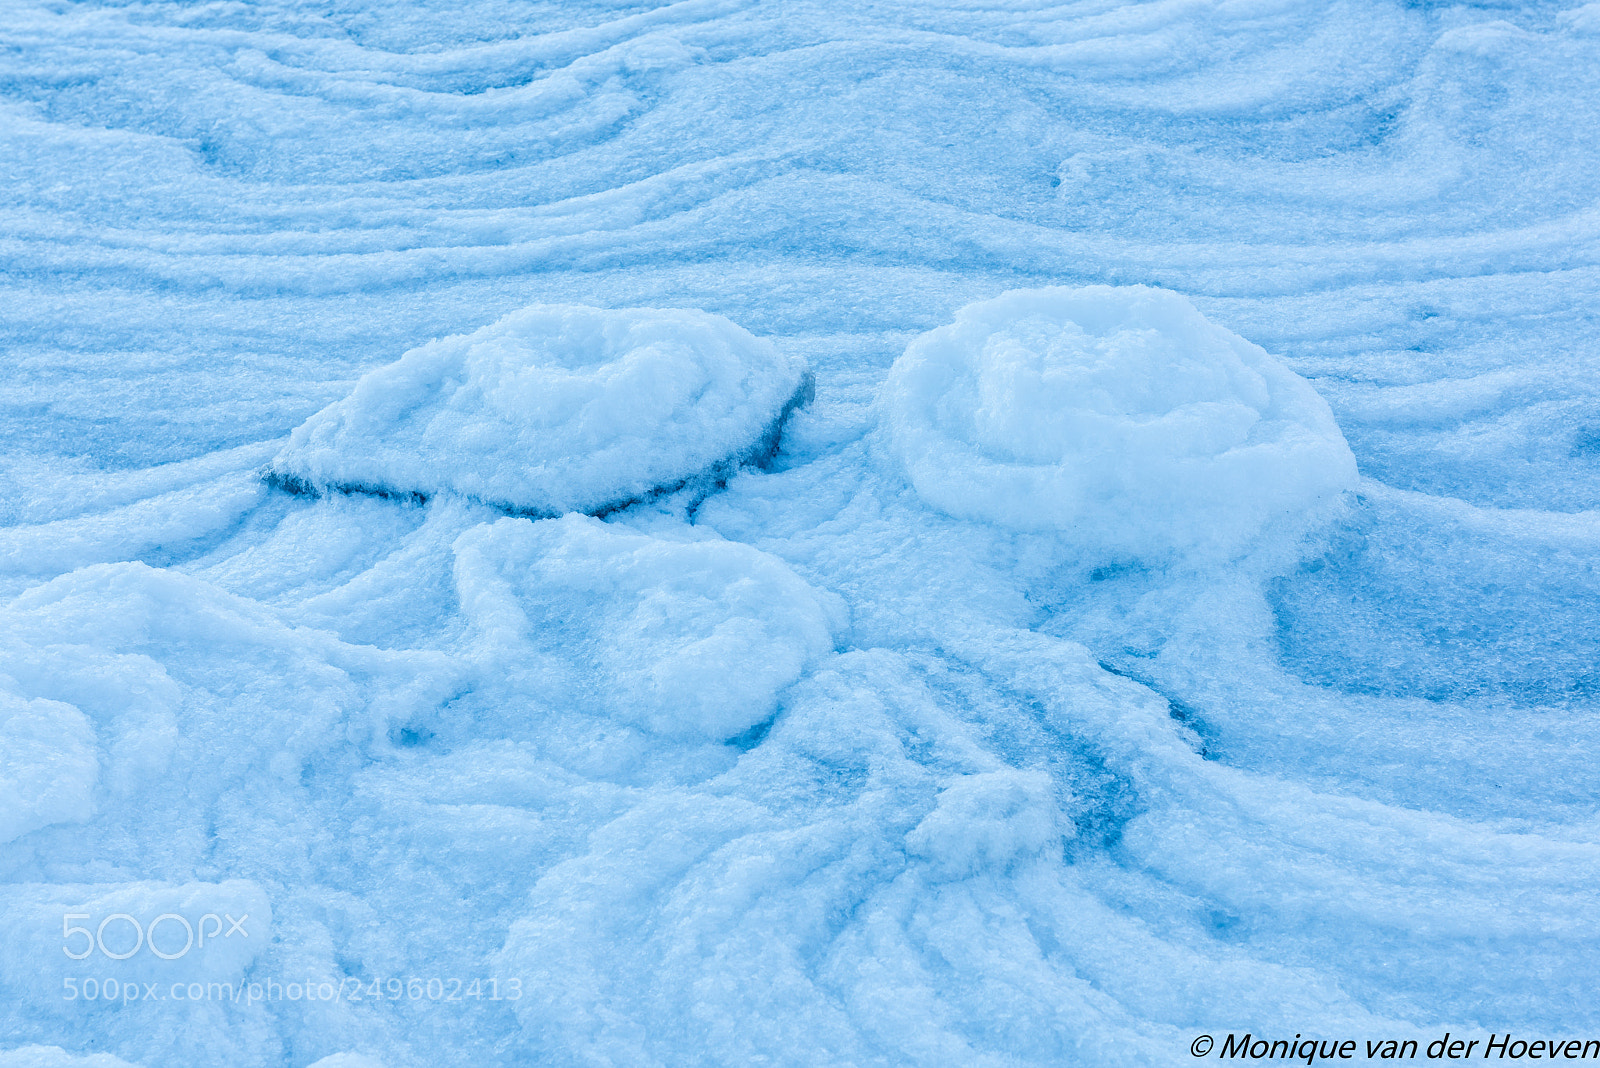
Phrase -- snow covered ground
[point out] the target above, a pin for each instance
(921, 674)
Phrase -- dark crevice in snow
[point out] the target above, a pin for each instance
(410, 737)
(696, 489)
(1183, 713)
(748, 739)
(296, 486)
(1017, 727)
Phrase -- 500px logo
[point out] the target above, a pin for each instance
(128, 935)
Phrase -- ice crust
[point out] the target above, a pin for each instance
(1048, 692)
(555, 408)
(1118, 415)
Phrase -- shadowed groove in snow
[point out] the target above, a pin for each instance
(695, 488)
(1099, 800)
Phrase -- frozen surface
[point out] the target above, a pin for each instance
(555, 409)
(1174, 613)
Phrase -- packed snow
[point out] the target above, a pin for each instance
(967, 533)
(1119, 415)
(555, 409)
(685, 638)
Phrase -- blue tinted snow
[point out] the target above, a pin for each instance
(1174, 612)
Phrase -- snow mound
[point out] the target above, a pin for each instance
(152, 676)
(47, 764)
(1119, 416)
(688, 639)
(132, 933)
(555, 408)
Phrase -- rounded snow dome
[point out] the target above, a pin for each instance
(555, 408)
(1119, 416)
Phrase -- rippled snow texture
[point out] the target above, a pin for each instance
(1053, 711)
